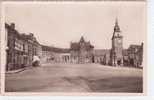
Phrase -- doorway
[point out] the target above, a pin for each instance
(119, 62)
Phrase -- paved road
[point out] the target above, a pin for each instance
(76, 78)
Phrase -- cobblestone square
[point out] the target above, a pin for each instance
(76, 78)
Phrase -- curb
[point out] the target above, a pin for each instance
(15, 71)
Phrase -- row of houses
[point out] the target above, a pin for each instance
(21, 48)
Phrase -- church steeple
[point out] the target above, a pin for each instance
(116, 27)
(117, 46)
(117, 31)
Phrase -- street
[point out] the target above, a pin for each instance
(76, 78)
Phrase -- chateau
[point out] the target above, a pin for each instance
(21, 48)
(82, 52)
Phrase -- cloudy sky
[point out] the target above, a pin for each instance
(57, 24)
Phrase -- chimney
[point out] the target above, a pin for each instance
(142, 44)
(31, 34)
(12, 25)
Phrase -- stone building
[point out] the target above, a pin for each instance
(135, 55)
(117, 46)
(63, 57)
(48, 54)
(14, 48)
(82, 51)
(102, 56)
(54, 55)
(20, 48)
(79, 52)
(31, 46)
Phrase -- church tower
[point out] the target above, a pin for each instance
(117, 46)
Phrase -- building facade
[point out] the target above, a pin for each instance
(20, 48)
(133, 56)
(54, 55)
(82, 51)
(102, 56)
(79, 52)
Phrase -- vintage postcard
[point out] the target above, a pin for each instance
(92, 48)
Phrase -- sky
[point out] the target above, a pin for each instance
(59, 23)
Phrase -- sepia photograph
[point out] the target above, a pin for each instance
(74, 47)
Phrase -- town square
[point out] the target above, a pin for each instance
(90, 48)
(76, 78)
